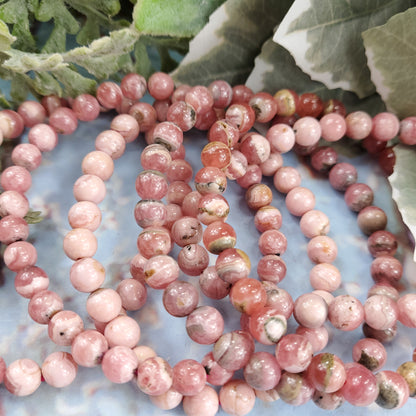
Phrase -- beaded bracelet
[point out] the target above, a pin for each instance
(200, 107)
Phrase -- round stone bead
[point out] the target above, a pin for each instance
(333, 127)
(88, 348)
(43, 305)
(342, 175)
(393, 390)
(154, 376)
(13, 203)
(386, 269)
(294, 353)
(360, 387)
(122, 330)
(180, 298)
(358, 196)
(237, 398)
(380, 312)
(216, 375)
(133, 294)
(186, 230)
(168, 400)
(267, 217)
(307, 131)
(59, 369)
(218, 236)
(407, 134)
(160, 271)
(322, 249)
(300, 200)
(286, 178)
(119, 364)
(407, 310)
(258, 196)
(268, 324)
(32, 112)
(318, 337)
(272, 242)
(19, 255)
(154, 241)
(30, 280)
(314, 223)
(301, 394)
(262, 372)
(167, 134)
(346, 312)
(16, 178)
(205, 403)
(325, 276)
(281, 138)
(43, 136)
(13, 228)
(22, 377)
(408, 371)
(232, 264)
(271, 268)
(303, 307)
(103, 305)
(189, 377)
(27, 155)
(371, 219)
(64, 326)
(255, 147)
(193, 259)
(370, 353)
(80, 243)
(385, 126)
(382, 243)
(89, 188)
(212, 285)
(359, 124)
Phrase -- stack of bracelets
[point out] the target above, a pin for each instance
(171, 213)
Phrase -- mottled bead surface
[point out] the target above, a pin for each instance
(295, 389)
(294, 353)
(64, 326)
(370, 353)
(23, 377)
(88, 348)
(119, 364)
(237, 398)
(326, 372)
(180, 298)
(154, 376)
(59, 369)
(346, 312)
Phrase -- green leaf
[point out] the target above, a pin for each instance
(180, 18)
(33, 217)
(57, 10)
(56, 41)
(43, 84)
(74, 83)
(16, 13)
(142, 64)
(18, 89)
(4, 103)
(6, 39)
(275, 69)
(324, 36)
(23, 62)
(226, 47)
(403, 182)
(89, 31)
(391, 54)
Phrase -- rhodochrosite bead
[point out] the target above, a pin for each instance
(119, 364)
(189, 377)
(88, 348)
(168, 400)
(370, 353)
(326, 372)
(180, 298)
(22, 377)
(247, 295)
(267, 325)
(393, 390)
(154, 376)
(294, 353)
(262, 372)
(237, 398)
(204, 325)
(204, 403)
(295, 388)
(232, 264)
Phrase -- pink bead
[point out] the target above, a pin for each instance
(232, 264)
(346, 313)
(11, 124)
(89, 188)
(160, 271)
(237, 167)
(187, 230)
(252, 175)
(16, 178)
(286, 178)
(200, 98)
(255, 148)
(87, 275)
(177, 192)
(325, 276)
(189, 377)
(385, 126)
(98, 163)
(205, 325)
(111, 142)
(326, 372)
(314, 223)
(168, 400)
(109, 94)
(272, 164)
(299, 200)
(318, 337)
(64, 326)
(154, 241)
(22, 377)
(43, 305)
(193, 259)
(154, 376)
(150, 213)
(86, 107)
(155, 157)
(133, 294)
(103, 305)
(205, 403)
(144, 352)
(32, 112)
(272, 242)
(43, 136)
(13, 228)
(179, 170)
(63, 120)
(233, 350)
(360, 388)
(145, 115)
(310, 310)
(281, 138)
(133, 86)
(294, 353)
(342, 175)
(80, 243)
(122, 330)
(52, 102)
(127, 126)
(380, 312)
(84, 214)
(407, 310)
(408, 131)
(307, 131)
(190, 204)
(221, 92)
(262, 372)
(303, 392)
(13, 203)
(359, 125)
(30, 280)
(322, 249)
(224, 131)
(151, 184)
(167, 134)
(370, 353)
(19, 255)
(180, 298)
(216, 375)
(88, 348)
(242, 115)
(393, 390)
(237, 398)
(271, 268)
(241, 94)
(160, 85)
(212, 285)
(59, 369)
(333, 127)
(27, 155)
(326, 296)
(119, 364)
